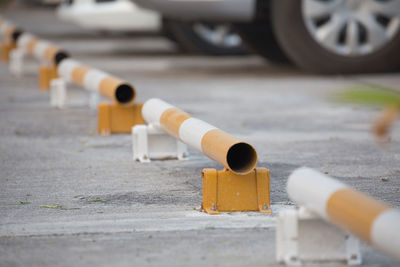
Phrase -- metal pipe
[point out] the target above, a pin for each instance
(8, 34)
(9, 31)
(236, 155)
(365, 217)
(96, 80)
(42, 50)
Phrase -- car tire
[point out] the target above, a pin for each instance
(298, 43)
(258, 36)
(184, 34)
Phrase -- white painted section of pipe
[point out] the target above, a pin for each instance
(312, 189)
(192, 131)
(93, 79)
(23, 41)
(40, 48)
(65, 68)
(386, 232)
(153, 109)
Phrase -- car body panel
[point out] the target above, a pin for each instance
(117, 15)
(209, 10)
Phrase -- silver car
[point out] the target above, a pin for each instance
(325, 36)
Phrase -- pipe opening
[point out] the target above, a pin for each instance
(60, 56)
(16, 34)
(242, 158)
(124, 93)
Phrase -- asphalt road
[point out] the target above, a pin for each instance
(148, 214)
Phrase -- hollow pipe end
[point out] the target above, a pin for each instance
(125, 94)
(241, 158)
(16, 34)
(60, 56)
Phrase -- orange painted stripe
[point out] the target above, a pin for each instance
(108, 86)
(172, 119)
(44, 78)
(53, 72)
(50, 52)
(216, 144)
(31, 45)
(354, 211)
(78, 74)
(6, 47)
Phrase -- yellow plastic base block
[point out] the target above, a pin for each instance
(114, 118)
(46, 74)
(6, 48)
(226, 191)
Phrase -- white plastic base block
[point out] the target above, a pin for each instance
(302, 236)
(151, 142)
(59, 96)
(16, 62)
(58, 93)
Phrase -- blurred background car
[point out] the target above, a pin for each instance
(197, 37)
(209, 38)
(126, 16)
(43, 3)
(196, 27)
(324, 36)
(109, 15)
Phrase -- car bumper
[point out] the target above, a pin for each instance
(210, 10)
(119, 15)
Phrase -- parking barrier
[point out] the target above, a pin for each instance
(232, 153)
(98, 81)
(240, 186)
(118, 117)
(47, 53)
(304, 237)
(350, 210)
(9, 33)
(56, 68)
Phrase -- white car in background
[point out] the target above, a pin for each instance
(109, 15)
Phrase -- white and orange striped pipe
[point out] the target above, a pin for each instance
(42, 50)
(232, 153)
(96, 80)
(365, 217)
(26, 42)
